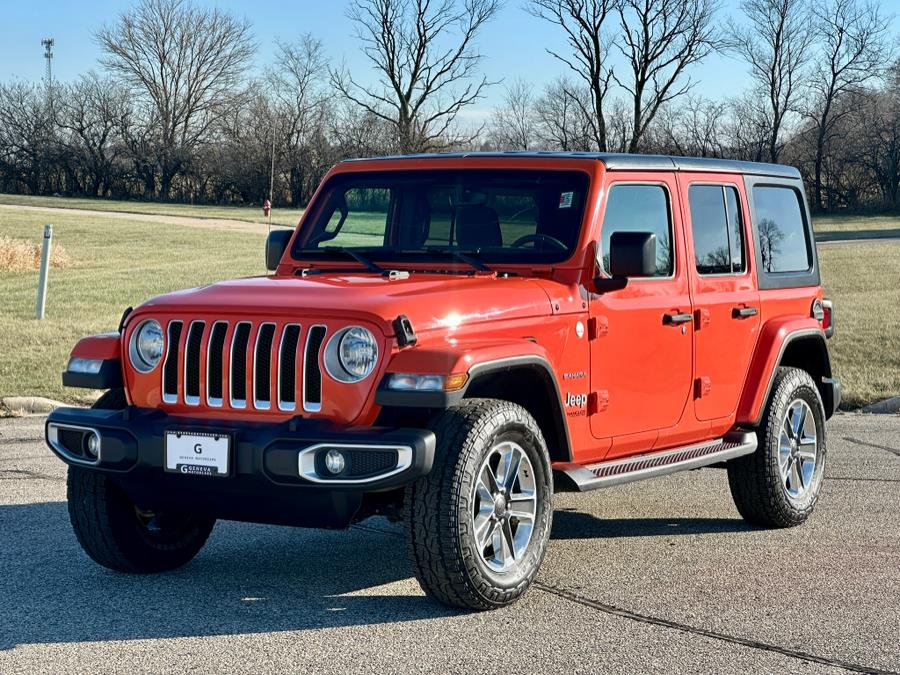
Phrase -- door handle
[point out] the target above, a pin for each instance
(675, 319)
(743, 312)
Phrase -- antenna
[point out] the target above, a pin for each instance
(47, 43)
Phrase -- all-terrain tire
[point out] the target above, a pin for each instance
(756, 483)
(438, 507)
(115, 534)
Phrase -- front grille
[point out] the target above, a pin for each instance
(170, 367)
(246, 365)
(192, 363)
(312, 385)
(262, 367)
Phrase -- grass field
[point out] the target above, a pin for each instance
(251, 214)
(124, 262)
(117, 263)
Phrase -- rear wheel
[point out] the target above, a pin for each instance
(478, 523)
(779, 484)
(116, 533)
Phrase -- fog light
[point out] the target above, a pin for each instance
(92, 444)
(334, 461)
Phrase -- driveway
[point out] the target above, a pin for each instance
(660, 576)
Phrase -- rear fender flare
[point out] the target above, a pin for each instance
(775, 337)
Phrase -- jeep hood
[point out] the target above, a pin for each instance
(431, 301)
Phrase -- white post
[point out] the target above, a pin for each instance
(45, 267)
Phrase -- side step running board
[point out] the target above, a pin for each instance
(649, 465)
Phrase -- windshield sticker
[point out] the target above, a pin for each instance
(566, 199)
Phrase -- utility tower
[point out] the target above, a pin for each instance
(48, 54)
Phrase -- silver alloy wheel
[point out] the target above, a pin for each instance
(505, 506)
(798, 449)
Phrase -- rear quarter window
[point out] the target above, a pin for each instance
(782, 231)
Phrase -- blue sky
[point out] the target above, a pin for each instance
(513, 45)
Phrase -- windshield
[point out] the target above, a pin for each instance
(474, 216)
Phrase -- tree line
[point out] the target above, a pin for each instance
(173, 111)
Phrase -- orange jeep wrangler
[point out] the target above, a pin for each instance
(446, 340)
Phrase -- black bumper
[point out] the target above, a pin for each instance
(265, 481)
(831, 395)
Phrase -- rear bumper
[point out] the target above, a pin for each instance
(275, 472)
(832, 395)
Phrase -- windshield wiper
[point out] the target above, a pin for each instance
(358, 257)
(462, 257)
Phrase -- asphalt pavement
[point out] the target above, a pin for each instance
(660, 576)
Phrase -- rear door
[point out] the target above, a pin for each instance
(641, 335)
(726, 300)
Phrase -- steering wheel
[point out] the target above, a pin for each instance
(535, 238)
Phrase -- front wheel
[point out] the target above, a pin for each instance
(779, 484)
(478, 524)
(116, 533)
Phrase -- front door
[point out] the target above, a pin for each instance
(726, 300)
(641, 335)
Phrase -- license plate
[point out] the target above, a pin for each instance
(196, 454)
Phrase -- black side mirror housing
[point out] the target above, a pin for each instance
(276, 245)
(632, 254)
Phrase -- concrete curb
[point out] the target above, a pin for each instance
(24, 406)
(889, 406)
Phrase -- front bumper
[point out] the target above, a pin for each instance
(275, 475)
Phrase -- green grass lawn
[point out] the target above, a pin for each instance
(862, 279)
(855, 223)
(252, 214)
(119, 263)
(125, 262)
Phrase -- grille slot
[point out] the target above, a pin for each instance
(170, 366)
(214, 352)
(192, 363)
(262, 367)
(312, 382)
(238, 373)
(287, 367)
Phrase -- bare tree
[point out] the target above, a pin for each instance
(695, 127)
(90, 113)
(582, 22)
(427, 63)
(661, 39)
(514, 124)
(561, 120)
(27, 135)
(852, 35)
(297, 81)
(776, 44)
(184, 63)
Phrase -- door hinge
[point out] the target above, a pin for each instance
(598, 401)
(701, 318)
(702, 387)
(598, 326)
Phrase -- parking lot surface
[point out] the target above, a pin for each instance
(658, 576)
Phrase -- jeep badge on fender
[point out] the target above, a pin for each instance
(416, 345)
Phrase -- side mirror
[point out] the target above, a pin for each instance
(276, 244)
(632, 254)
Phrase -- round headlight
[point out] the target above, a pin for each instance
(351, 354)
(146, 348)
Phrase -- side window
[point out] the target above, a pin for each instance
(782, 232)
(359, 219)
(716, 229)
(640, 208)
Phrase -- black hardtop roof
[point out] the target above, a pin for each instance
(614, 161)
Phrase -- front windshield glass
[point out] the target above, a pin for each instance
(522, 216)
